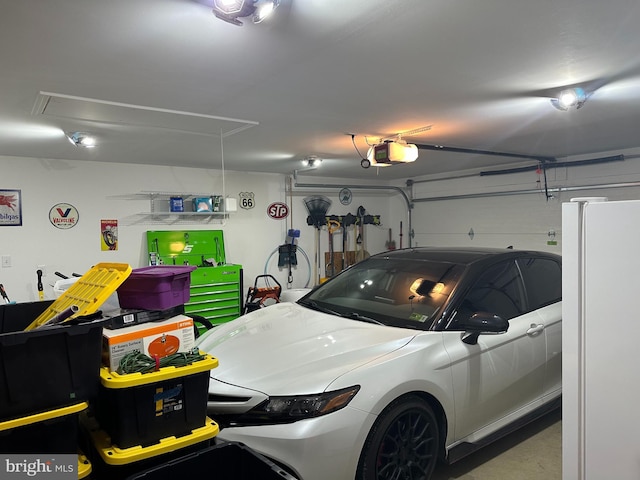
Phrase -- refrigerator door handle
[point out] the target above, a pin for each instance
(535, 329)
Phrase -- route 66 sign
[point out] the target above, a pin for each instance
(247, 200)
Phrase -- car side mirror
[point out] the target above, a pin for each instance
(482, 322)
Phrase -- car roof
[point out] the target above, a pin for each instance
(459, 255)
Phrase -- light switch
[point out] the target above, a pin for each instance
(6, 261)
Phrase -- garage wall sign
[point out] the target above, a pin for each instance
(247, 200)
(63, 216)
(108, 235)
(278, 210)
(345, 196)
(10, 207)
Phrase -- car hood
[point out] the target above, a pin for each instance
(286, 349)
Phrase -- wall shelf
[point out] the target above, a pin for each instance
(160, 213)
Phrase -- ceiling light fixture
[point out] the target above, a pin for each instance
(231, 10)
(312, 161)
(570, 97)
(390, 152)
(80, 139)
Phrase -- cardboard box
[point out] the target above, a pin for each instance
(176, 204)
(161, 339)
(202, 204)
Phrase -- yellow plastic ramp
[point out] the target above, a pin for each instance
(86, 295)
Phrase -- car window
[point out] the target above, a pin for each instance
(498, 290)
(542, 279)
(396, 292)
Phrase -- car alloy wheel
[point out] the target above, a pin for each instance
(402, 444)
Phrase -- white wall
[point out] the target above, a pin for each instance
(98, 191)
(104, 191)
(521, 220)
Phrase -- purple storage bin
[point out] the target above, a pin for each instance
(157, 287)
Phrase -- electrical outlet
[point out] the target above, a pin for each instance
(6, 261)
(44, 270)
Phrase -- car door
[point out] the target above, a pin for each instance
(500, 377)
(543, 282)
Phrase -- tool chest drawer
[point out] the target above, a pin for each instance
(215, 293)
(214, 276)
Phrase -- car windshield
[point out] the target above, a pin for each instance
(390, 291)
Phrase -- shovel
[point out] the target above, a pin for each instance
(362, 253)
(390, 244)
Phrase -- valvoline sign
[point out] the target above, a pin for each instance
(63, 216)
(278, 210)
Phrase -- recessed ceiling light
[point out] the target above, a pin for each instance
(570, 97)
(312, 161)
(80, 139)
(231, 10)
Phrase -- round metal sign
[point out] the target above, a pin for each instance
(345, 196)
(63, 216)
(278, 210)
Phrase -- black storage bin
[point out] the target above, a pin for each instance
(52, 432)
(130, 416)
(18, 316)
(141, 409)
(109, 462)
(224, 461)
(103, 471)
(49, 367)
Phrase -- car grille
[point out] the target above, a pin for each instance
(213, 398)
(225, 419)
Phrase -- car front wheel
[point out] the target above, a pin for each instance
(402, 444)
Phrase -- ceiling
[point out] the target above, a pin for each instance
(164, 82)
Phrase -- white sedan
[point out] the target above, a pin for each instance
(404, 359)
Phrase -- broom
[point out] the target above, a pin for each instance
(317, 206)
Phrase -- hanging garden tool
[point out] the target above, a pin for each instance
(391, 243)
(317, 206)
(287, 253)
(347, 221)
(345, 261)
(361, 253)
(330, 267)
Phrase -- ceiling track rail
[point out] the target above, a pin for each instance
(475, 151)
(399, 190)
(528, 168)
(528, 192)
(575, 163)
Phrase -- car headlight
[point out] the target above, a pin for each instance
(290, 409)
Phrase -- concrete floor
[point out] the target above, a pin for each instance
(532, 453)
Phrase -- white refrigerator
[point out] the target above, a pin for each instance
(601, 339)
